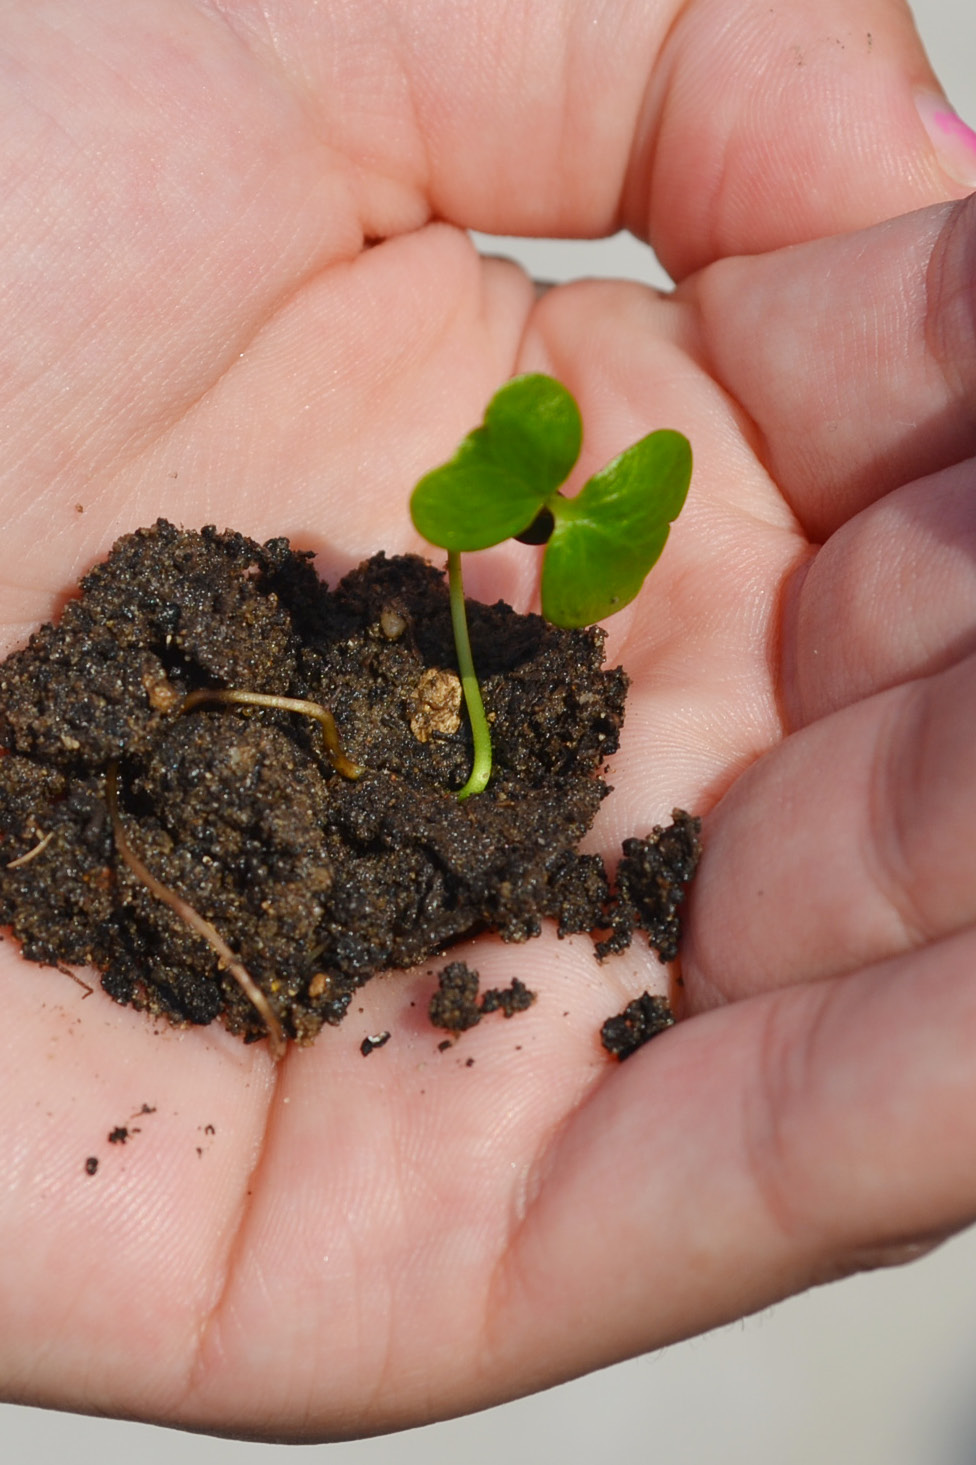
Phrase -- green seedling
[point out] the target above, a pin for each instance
(504, 482)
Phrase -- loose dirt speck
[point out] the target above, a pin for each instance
(370, 1044)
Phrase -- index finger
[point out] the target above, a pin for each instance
(711, 128)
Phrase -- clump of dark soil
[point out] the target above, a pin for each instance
(640, 1021)
(136, 812)
(650, 885)
(457, 1005)
(314, 880)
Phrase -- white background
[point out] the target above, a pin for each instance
(878, 1370)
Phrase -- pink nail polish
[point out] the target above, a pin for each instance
(954, 142)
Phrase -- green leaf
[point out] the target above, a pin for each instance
(609, 536)
(504, 471)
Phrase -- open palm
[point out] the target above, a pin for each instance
(236, 290)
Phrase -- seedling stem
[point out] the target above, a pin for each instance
(481, 736)
(505, 482)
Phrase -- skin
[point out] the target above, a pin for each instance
(194, 326)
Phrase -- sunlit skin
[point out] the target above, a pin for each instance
(194, 326)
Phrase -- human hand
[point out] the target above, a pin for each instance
(195, 330)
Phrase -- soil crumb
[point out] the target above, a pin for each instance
(314, 880)
(456, 1005)
(508, 1000)
(651, 882)
(640, 1021)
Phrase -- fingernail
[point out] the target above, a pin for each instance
(954, 142)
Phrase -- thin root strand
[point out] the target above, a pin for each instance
(322, 715)
(32, 854)
(277, 1042)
